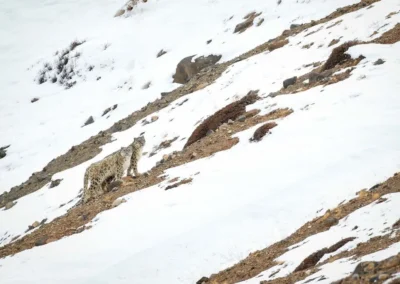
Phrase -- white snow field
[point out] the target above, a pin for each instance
(243, 199)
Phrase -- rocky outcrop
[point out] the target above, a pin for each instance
(187, 68)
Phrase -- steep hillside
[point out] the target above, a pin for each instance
(271, 150)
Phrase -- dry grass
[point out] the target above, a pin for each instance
(229, 112)
(338, 55)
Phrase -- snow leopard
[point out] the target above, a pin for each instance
(112, 167)
(137, 148)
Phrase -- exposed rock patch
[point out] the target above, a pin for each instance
(186, 69)
(231, 111)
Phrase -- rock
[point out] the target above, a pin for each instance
(260, 132)
(35, 224)
(314, 77)
(118, 202)
(209, 132)
(259, 23)
(330, 221)
(194, 155)
(230, 122)
(161, 53)
(98, 78)
(186, 69)
(294, 26)
(165, 157)
(365, 267)
(34, 100)
(146, 174)
(107, 110)
(289, 82)
(379, 62)
(43, 221)
(203, 280)
(154, 118)
(241, 118)
(273, 94)
(90, 120)
(2, 153)
(55, 183)
(41, 241)
(9, 205)
(146, 86)
(241, 27)
(209, 41)
(120, 12)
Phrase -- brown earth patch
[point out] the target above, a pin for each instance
(389, 37)
(264, 259)
(338, 55)
(229, 112)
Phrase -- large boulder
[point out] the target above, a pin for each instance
(186, 69)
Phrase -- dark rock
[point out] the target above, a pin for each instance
(186, 69)
(203, 280)
(107, 110)
(2, 153)
(289, 82)
(209, 41)
(34, 100)
(41, 241)
(262, 131)
(98, 78)
(241, 27)
(294, 26)
(330, 221)
(90, 120)
(241, 118)
(161, 53)
(55, 183)
(379, 62)
(273, 94)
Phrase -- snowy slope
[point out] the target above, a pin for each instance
(41, 131)
(243, 199)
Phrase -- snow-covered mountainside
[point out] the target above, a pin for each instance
(272, 141)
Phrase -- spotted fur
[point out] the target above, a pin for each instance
(137, 148)
(113, 166)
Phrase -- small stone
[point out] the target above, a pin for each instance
(146, 86)
(161, 53)
(165, 157)
(289, 82)
(120, 12)
(209, 132)
(55, 183)
(41, 241)
(383, 276)
(379, 62)
(203, 280)
(98, 78)
(90, 120)
(273, 94)
(118, 202)
(194, 155)
(230, 122)
(9, 205)
(293, 26)
(241, 118)
(34, 100)
(146, 174)
(209, 41)
(330, 221)
(2, 153)
(355, 228)
(154, 118)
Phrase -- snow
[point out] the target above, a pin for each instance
(48, 128)
(243, 199)
(373, 220)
